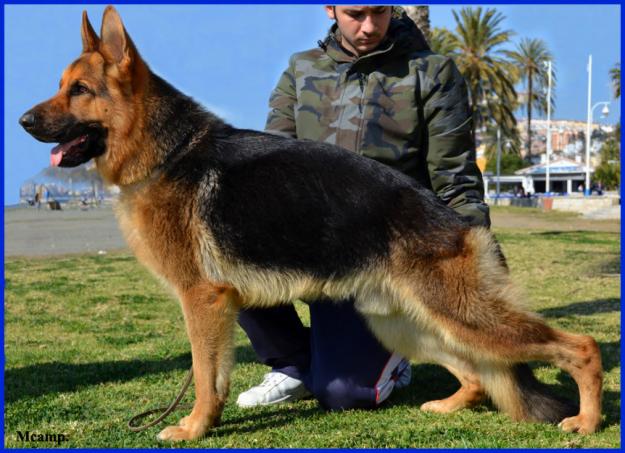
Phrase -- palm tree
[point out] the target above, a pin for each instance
(530, 57)
(498, 106)
(420, 15)
(490, 78)
(615, 76)
(442, 41)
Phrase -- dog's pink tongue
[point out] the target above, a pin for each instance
(56, 155)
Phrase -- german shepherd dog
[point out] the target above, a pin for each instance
(233, 218)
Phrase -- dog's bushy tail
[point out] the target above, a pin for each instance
(516, 391)
(541, 404)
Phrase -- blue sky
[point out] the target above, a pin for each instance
(230, 57)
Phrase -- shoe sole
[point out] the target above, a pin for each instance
(285, 399)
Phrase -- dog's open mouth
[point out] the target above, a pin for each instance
(78, 150)
(67, 151)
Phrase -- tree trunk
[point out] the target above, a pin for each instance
(420, 15)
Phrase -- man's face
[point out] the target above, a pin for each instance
(362, 27)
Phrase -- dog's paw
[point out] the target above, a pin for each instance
(582, 424)
(438, 406)
(184, 421)
(178, 433)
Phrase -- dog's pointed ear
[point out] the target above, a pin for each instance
(90, 40)
(115, 45)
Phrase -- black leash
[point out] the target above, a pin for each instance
(132, 423)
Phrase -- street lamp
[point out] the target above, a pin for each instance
(499, 162)
(604, 113)
(547, 182)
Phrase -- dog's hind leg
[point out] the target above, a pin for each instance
(512, 386)
(406, 336)
(472, 306)
(578, 355)
(468, 395)
(500, 355)
(210, 316)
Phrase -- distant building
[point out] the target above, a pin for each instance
(567, 137)
(565, 176)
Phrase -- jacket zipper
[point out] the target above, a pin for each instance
(362, 80)
(342, 80)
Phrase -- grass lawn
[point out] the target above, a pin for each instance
(93, 340)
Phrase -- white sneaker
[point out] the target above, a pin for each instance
(402, 374)
(395, 375)
(276, 388)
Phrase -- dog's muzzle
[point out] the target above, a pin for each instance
(78, 142)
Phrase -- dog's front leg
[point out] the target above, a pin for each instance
(210, 314)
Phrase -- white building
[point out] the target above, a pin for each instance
(565, 176)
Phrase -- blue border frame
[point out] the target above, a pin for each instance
(300, 2)
(295, 2)
(622, 173)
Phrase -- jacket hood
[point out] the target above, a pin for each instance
(403, 36)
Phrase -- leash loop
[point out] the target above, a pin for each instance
(133, 422)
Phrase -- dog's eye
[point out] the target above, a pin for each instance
(77, 89)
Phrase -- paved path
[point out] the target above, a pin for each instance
(31, 232)
(612, 212)
(539, 222)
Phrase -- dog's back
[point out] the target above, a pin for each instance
(316, 208)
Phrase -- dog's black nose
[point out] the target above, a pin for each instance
(27, 120)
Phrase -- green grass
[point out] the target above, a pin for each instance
(93, 340)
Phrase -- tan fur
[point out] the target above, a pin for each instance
(210, 314)
(127, 132)
(159, 227)
(459, 309)
(468, 395)
(578, 355)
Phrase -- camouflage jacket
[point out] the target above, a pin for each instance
(402, 105)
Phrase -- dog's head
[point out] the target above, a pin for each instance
(95, 97)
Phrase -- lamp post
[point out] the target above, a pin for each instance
(604, 113)
(498, 163)
(547, 182)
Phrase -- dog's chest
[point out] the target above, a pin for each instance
(160, 236)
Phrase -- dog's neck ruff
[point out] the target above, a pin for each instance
(171, 124)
